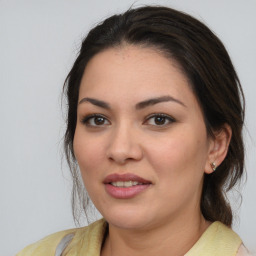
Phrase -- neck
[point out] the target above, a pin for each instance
(171, 238)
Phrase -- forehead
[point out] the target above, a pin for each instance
(140, 58)
(133, 71)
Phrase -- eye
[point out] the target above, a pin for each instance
(95, 120)
(159, 120)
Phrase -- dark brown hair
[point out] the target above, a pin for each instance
(207, 65)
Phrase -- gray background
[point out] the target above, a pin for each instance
(38, 43)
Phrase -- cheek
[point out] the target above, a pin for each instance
(89, 154)
(182, 156)
(179, 164)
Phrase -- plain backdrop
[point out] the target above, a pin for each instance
(39, 41)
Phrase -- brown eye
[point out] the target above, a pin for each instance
(159, 120)
(95, 121)
(99, 120)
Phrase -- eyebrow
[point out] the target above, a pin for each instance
(95, 102)
(154, 101)
(140, 105)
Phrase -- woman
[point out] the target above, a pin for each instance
(155, 117)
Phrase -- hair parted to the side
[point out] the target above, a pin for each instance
(213, 79)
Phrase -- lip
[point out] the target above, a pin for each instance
(125, 177)
(125, 192)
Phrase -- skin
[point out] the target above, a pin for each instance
(174, 156)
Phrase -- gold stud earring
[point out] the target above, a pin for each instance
(214, 166)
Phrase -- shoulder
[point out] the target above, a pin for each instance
(242, 251)
(217, 240)
(47, 246)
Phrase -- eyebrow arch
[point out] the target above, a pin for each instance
(140, 105)
(95, 102)
(154, 101)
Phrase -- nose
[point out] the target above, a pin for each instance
(124, 145)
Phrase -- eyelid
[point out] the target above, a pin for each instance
(168, 117)
(84, 120)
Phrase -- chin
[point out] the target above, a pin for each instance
(127, 218)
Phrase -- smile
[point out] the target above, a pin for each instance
(125, 184)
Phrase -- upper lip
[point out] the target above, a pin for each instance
(125, 177)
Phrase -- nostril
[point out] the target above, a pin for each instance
(124, 146)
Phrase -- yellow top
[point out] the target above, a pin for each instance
(217, 240)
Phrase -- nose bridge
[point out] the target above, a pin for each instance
(124, 143)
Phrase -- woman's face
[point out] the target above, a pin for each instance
(140, 139)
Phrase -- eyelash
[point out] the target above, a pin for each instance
(86, 120)
(157, 115)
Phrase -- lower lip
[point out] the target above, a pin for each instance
(125, 193)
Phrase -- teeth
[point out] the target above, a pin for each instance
(125, 184)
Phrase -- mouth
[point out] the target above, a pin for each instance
(125, 186)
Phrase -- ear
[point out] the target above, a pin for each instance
(218, 148)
